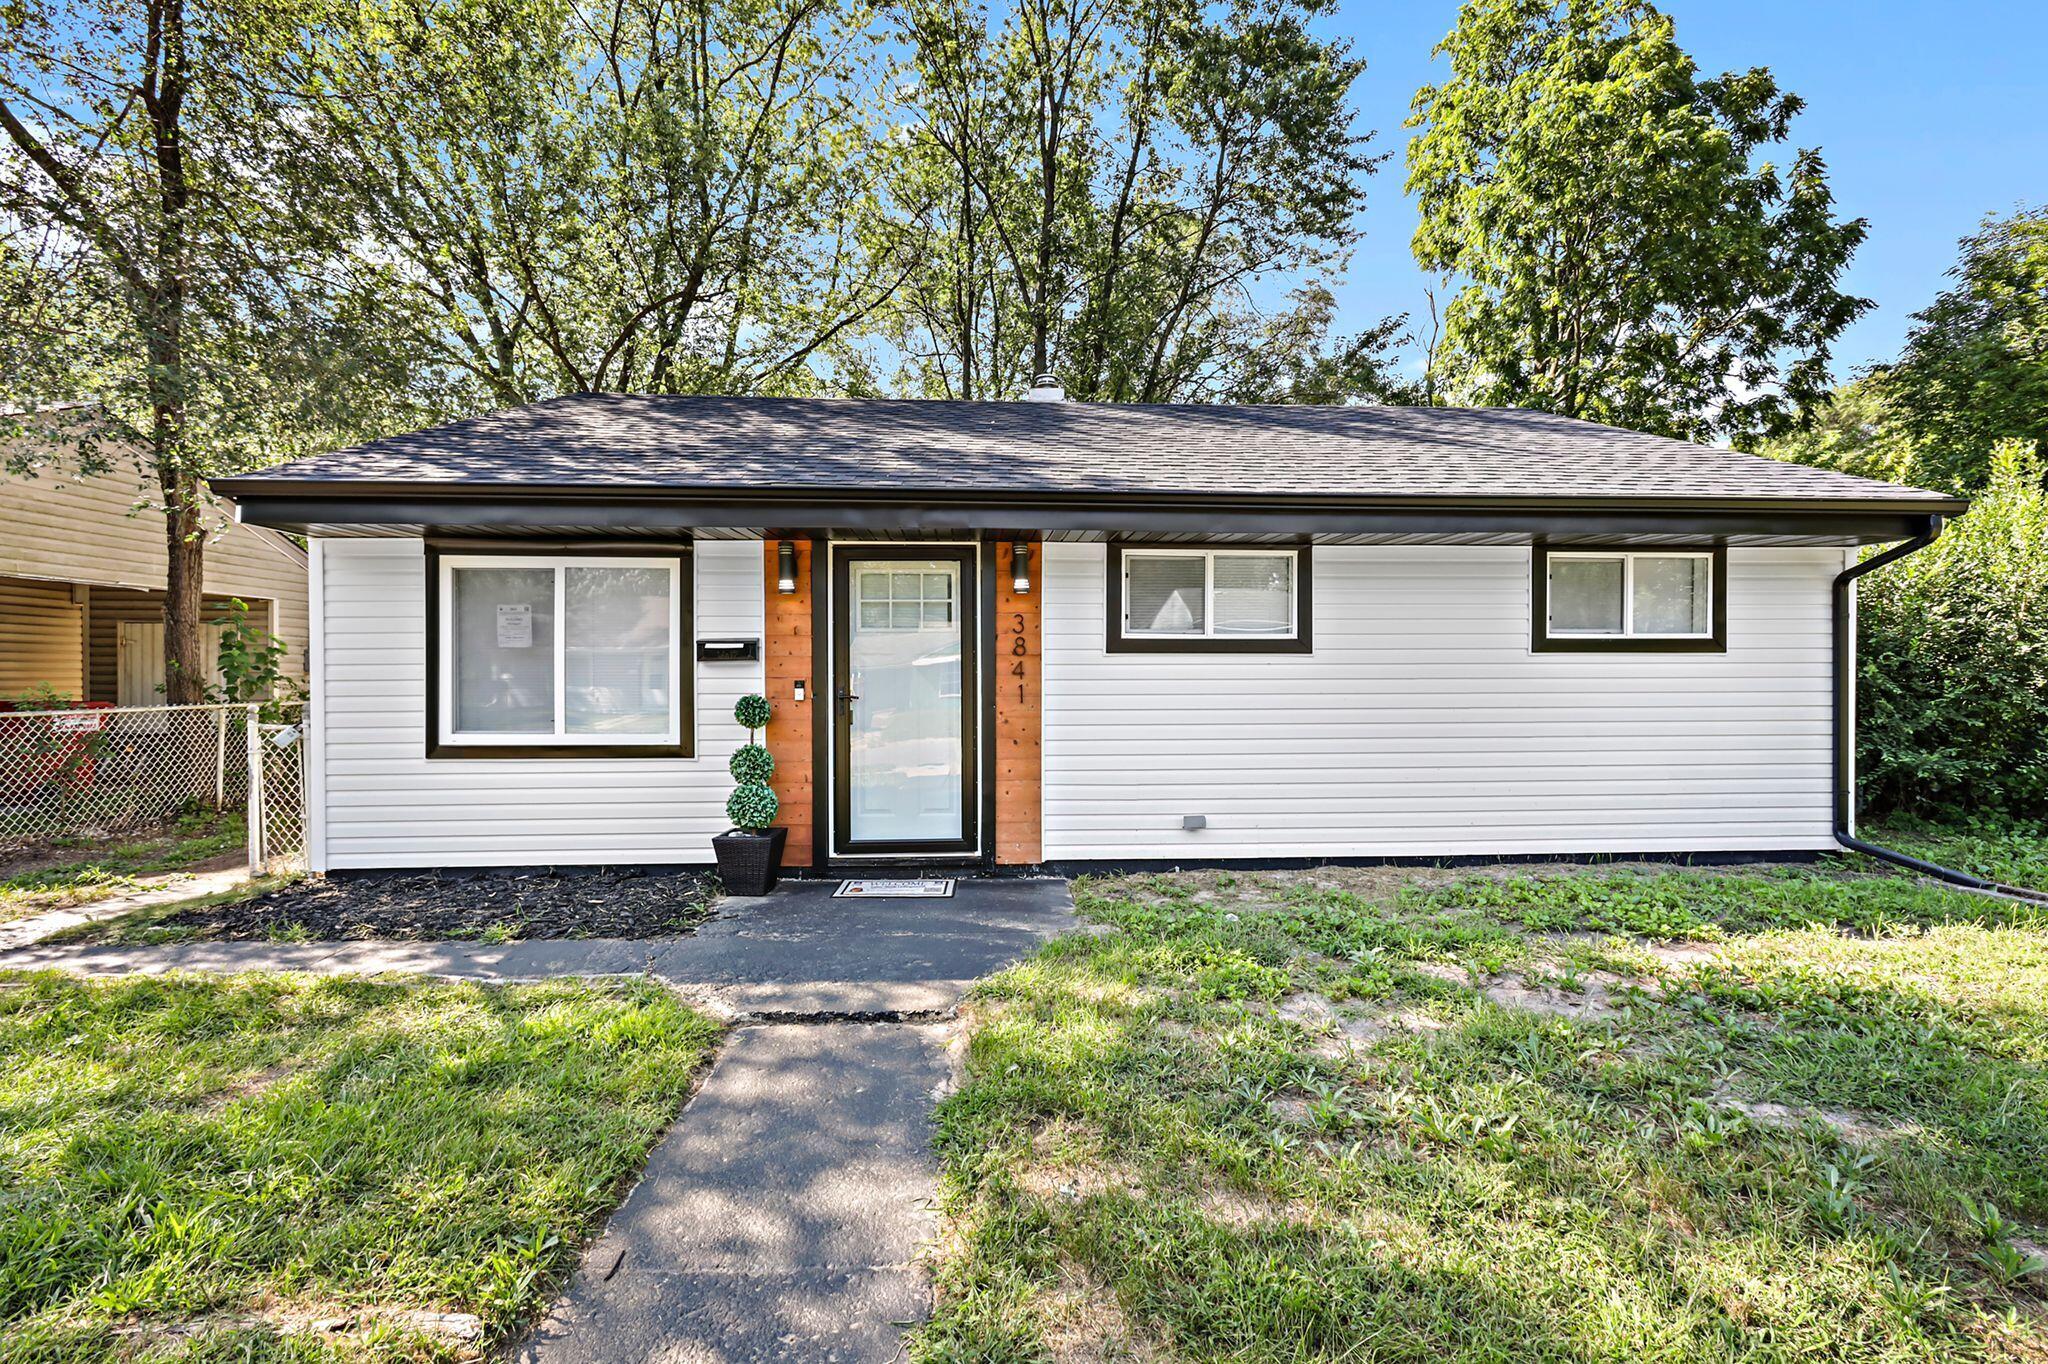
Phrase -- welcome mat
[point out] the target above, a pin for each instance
(894, 890)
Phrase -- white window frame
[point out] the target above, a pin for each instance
(1209, 633)
(1628, 593)
(679, 644)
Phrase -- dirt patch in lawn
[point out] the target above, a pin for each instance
(500, 906)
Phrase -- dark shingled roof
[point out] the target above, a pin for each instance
(903, 447)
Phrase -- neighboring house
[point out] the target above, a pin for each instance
(82, 585)
(1063, 633)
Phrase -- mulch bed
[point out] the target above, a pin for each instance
(426, 906)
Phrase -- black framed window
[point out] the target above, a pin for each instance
(553, 652)
(1592, 599)
(1200, 598)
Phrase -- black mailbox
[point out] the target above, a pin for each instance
(728, 650)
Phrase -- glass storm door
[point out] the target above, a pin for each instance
(905, 693)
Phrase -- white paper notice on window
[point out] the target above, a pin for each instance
(515, 625)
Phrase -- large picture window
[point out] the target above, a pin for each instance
(1630, 600)
(1168, 599)
(571, 654)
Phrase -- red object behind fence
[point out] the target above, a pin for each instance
(40, 748)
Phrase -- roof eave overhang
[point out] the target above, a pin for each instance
(299, 506)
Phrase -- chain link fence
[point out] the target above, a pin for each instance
(92, 773)
(277, 804)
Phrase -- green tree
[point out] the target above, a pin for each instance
(1974, 370)
(1626, 254)
(653, 195)
(1953, 676)
(1854, 430)
(1119, 190)
(161, 256)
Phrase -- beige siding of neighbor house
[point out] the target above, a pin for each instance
(42, 638)
(61, 528)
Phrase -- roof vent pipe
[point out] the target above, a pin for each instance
(1045, 389)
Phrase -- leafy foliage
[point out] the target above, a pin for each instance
(1953, 684)
(1627, 256)
(1102, 189)
(666, 196)
(752, 712)
(1974, 370)
(164, 267)
(1854, 431)
(751, 763)
(752, 806)
(251, 658)
(753, 803)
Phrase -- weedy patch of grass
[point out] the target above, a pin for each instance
(145, 925)
(1504, 1116)
(102, 872)
(2012, 853)
(282, 1168)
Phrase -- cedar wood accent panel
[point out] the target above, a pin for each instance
(1424, 725)
(788, 657)
(1016, 675)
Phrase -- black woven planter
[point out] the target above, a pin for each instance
(748, 863)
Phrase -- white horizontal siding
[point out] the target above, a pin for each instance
(388, 805)
(1424, 725)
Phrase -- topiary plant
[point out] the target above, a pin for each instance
(752, 765)
(751, 711)
(753, 804)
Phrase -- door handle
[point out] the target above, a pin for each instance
(846, 700)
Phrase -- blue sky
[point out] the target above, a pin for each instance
(1929, 115)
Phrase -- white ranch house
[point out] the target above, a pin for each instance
(1055, 634)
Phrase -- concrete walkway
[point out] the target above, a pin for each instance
(797, 953)
(782, 1216)
(158, 890)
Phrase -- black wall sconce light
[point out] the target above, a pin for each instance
(785, 567)
(1020, 567)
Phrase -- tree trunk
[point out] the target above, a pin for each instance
(187, 670)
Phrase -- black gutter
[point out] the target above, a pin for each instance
(1845, 733)
(272, 485)
(483, 507)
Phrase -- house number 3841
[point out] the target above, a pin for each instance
(1019, 651)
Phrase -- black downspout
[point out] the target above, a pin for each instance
(1845, 729)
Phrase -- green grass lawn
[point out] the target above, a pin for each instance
(280, 1168)
(1563, 1115)
(98, 872)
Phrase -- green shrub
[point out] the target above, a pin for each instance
(1953, 678)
